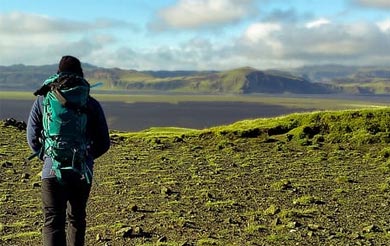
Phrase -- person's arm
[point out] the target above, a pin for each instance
(34, 126)
(97, 129)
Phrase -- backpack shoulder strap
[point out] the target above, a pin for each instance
(45, 88)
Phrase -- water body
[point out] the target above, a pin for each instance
(140, 116)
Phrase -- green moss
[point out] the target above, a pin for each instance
(208, 242)
(340, 191)
(343, 179)
(306, 200)
(21, 235)
(272, 210)
(18, 225)
(219, 204)
(254, 229)
(283, 184)
(384, 187)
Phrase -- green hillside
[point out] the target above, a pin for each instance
(237, 81)
(319, 178)
(246, 80)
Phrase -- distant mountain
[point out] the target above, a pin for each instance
(256, 81)
(350, 79)
(343, 74)
(246, 80)
(238, 81)
(22, 77)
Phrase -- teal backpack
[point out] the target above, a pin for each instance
(65, 122)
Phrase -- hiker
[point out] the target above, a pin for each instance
(66, 182)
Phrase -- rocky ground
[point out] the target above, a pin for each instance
(206, 189)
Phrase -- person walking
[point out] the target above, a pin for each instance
(67, 159)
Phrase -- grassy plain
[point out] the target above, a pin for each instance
(318, 178)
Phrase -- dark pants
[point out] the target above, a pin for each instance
(64, 202)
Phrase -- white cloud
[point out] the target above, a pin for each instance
(374, 3)
(37, 39)
(263, 36)
(317, 23)
(261, 45)
(292, 45)
(384, 25)
(43, 48)
(203, 13)
(357, 42)
(261, 31)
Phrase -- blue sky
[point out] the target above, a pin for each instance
(196, 34)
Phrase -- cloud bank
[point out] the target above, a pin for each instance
(25, 23)
(37, 39)
(274, 39)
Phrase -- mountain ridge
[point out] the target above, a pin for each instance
(243, 80)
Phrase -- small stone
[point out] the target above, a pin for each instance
(178, 140)
(229, 221)
(166, 191)
(134, 207)
(10, 122)
(124, 232)
(209, 195)
(162, 239)
(314, 227)
(356, 236)
(292, 225)
(371, 228)
(276, 222)
(6, 164)
(98, 237)
(138, 230)
(25, 176)
(21, 125)
(331, 237)
(142, 217)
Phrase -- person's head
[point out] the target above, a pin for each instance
(70, 64)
